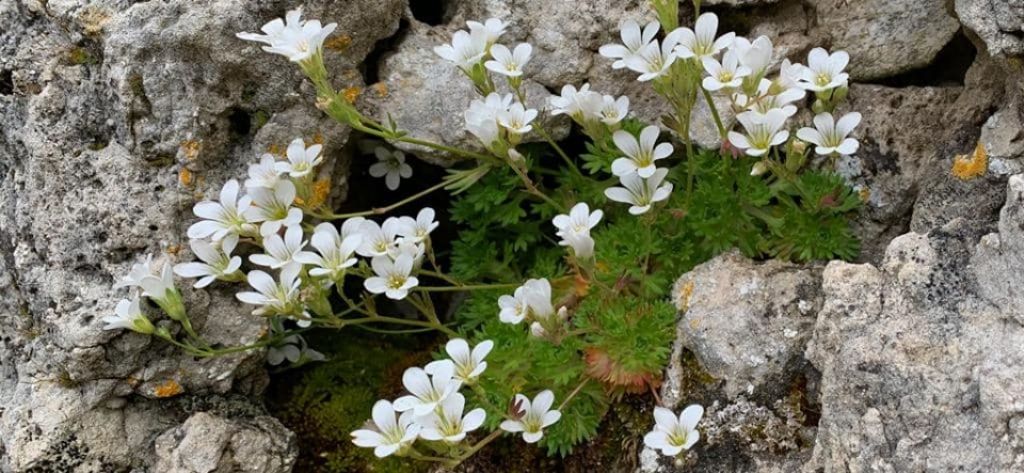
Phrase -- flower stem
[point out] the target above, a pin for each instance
(558, 149)
(474, 287)
(714, 114)
(476, 448)
(573, 394)
(381, 210)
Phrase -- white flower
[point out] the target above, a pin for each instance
(789, 75)
(466, 49)
(128, 315)
(652, 60)
(766, 100)
(282, 252)
(217, 263)
(608, 109)
(571, 101)
(640, 155)
(532, 417)
(263, 174)
(377, 239)
(392, 278)
(725, 75)
(408, 246)
(293, 38)
(418, 229)
(158, 285)
(273, 207)
(824, 71)
(391, 167)
(763, 131)
(673, 434)
(279, 297)
(447, 422)
(335, 253)
(468, 364)
(830, 136)
(427, 392)
(755, 56)
(574, 229)
(641, 193)
(517, 119)
(301, 160)
(633, 40)
(532, 299)
(230, 216)
(490, 30)
(387, 435)
(537, 328)
(509, 63)
(702, 43)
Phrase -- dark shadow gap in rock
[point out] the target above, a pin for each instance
(6, 82)
(949, 68)
(431, 12)
(370, 68)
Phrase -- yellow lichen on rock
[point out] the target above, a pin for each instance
(970, 166)
(351, 94)
(168, 388)
(683, 292)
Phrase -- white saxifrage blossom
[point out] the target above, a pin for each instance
(607, 109)
(468, 364)
(273, 207)
(654, 60)
(570, 102)
(517, 119)
(701, 42)
(728, 74)
(264, 173)
(293, 38)
(427, 391)
(532, 417)
(466, 50)
(281, 252)
(418, 229)
(447, 422)
(392, 278)
(408, 246)
(831, 136)
(128, 315)
(229, 216)
(673, 434)
(574, 229)
(391, 166)
(279, 297)
(537, 329)
(531, 300)
(639, 192)
(377, 239)
(301, 160)
(633, 40)
(334, 253)
(157, 285)
(767, 100)
(217, 263)
(640, 154)
(509, 63)
(482, 117)
(824, 71)
(763, 131)
(756, 56)
(490, 30)
(387, 435)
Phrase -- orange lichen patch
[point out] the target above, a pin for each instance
(381, 89)
(351, 94)
(318, 194)
(318, 138)
(864, 193)
(191, 148)
(970, 166)
(168, 388)
(602, 367)
(173, 250)
(683, 295)
(186, 177)
(338, 43)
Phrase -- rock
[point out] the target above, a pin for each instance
(998, 23)
(115, 118)
(885, 37)
(919, 356)
(207, 443)
(747, 323)
(1003, 139)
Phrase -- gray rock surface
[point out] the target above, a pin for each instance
(727, 299)
(208, 443)
(115, 118)
(886, 37)
(999, 23)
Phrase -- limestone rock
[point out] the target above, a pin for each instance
(999, 23)
(207, 443)
(885, 37)
(747, 323)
